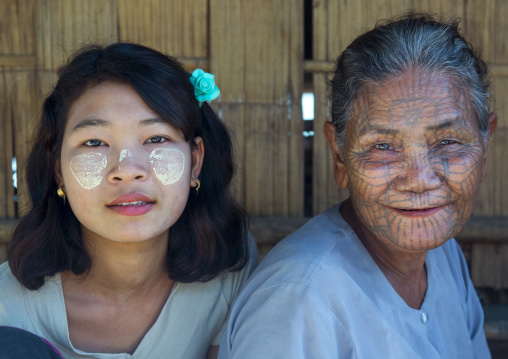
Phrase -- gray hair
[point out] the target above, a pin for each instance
(415, 40)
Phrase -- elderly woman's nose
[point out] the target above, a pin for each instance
(128, 165)
(417, 175)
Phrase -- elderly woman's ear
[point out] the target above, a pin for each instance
(492, 128)
(339, 167)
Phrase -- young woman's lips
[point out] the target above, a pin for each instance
(417, 212)
(132, 204)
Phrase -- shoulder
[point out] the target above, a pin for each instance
(300, 257)
(12, 298)
(303, 269)
(230, 283)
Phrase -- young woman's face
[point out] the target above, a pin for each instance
(125, 171)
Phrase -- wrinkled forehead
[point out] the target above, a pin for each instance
(413, 98)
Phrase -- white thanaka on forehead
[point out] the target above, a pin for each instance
(168, 164)
(87, 169)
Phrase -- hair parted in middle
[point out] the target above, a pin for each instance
(414, 40)
(210, 235)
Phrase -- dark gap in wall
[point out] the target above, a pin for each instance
(308, 125)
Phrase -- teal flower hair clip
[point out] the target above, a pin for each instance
(204, 86)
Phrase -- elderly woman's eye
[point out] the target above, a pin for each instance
(94, 143)
(156, 139)
(383, 146)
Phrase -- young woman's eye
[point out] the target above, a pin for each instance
(94, 143)
(383, 146)
(156, 139)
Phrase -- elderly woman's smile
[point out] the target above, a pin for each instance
(414, 158)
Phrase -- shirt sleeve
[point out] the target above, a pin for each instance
(235, 282)
(475, 318)
(284, 321)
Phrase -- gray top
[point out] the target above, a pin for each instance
(319, 294)
(193, 318)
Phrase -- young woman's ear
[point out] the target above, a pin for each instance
(58, 173)
(198, 153)
(339, 167)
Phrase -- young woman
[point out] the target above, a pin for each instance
(133, 247)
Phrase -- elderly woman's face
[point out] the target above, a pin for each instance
(413, 159)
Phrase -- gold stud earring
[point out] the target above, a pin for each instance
(198, 184)
(61, 193)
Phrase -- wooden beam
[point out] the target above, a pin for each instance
(313, 66)
(270, 230)
(17, 60)
(190, 64)
(6, 227)
(323, 66)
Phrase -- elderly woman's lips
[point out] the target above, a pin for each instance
(417, 212)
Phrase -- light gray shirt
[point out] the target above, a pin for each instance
(319, 294)
(193, 318)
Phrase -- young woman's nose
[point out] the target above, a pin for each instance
(417, 174)
(128, 166)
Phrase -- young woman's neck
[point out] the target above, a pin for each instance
(126, 267)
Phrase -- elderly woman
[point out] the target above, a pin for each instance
(380, 276)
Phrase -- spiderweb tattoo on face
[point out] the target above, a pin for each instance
(414, 156)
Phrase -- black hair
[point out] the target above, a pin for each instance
(210, 235)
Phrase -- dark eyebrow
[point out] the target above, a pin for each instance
(104, 123)
(90, 123)
(151, 121)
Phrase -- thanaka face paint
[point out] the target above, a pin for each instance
(168, 164)
(87, 169)
(123, 154)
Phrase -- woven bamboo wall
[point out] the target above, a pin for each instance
(255, 49)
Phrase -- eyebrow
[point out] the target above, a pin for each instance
(151, 121)
(104, 123)
(90, 123)
(375, 130)
(452, 123)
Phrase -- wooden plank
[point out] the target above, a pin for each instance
(176, 27)
(6, 228)
(8, 208)
(24, 102)
(258, 151)
(233, 117)
(63, 26)
(17, 60)
(493, 197)
(3, 253)
(227, 49)
(480, 28)
(17, 27)
(489, 265)
(5, 148)
(295, 84)
(263, 72)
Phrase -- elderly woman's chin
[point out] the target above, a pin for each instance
(410, 228)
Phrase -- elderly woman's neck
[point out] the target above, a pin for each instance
(404, 269)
